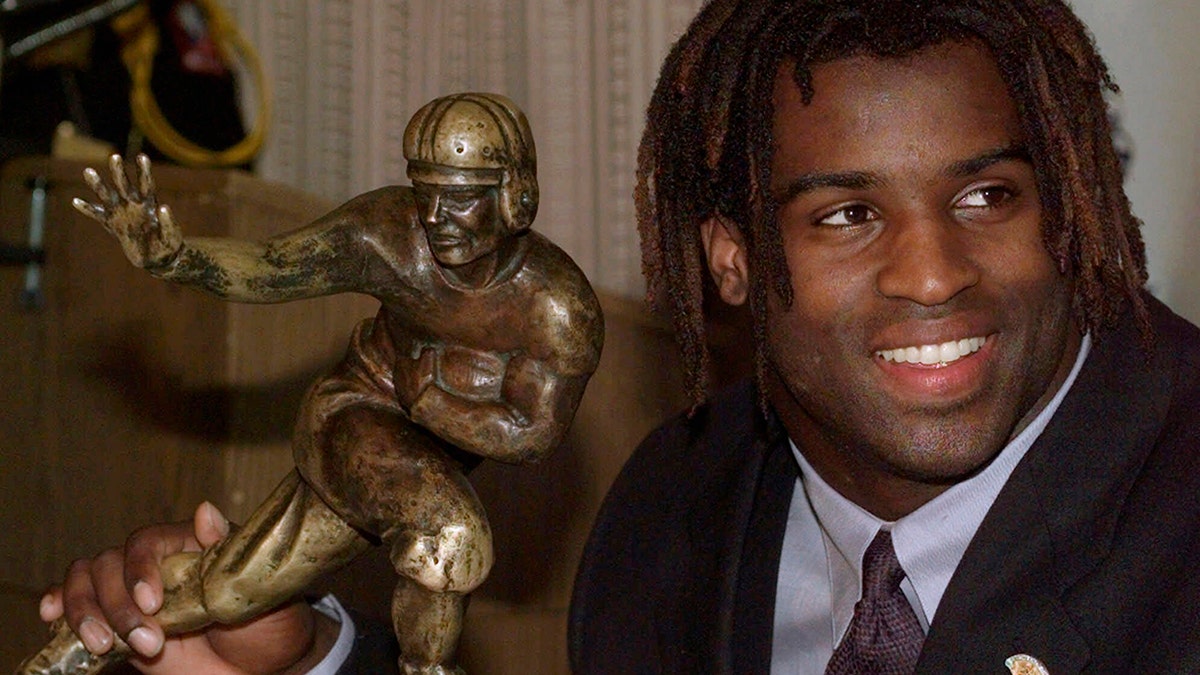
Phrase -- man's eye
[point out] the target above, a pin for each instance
(846, 216)
(985, 197)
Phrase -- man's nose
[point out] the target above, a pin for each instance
(927, 261)
(433, 208)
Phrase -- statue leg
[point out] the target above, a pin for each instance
(298, 521)
(442, 551)
(290, 541)
(428, 624)
(399, 482)
(356, 446)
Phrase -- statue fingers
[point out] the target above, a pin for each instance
(167, 240)
(93, 211)
(145, 177)
(120, 179)
(168, 229)
(106, 196)
(150, 240)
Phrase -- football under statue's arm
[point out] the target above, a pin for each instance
(524, 423)
(515, 407)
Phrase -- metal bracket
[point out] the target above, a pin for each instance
(12, 256)
(32, 256)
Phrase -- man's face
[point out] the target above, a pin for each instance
(928, 319)
(462, 222)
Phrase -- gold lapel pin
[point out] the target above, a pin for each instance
(1024, 664)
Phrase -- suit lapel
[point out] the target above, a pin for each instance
(722, 622)
(758, 572)
(1054, 520)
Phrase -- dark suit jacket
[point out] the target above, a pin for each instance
(1089, 559)
(374, 652)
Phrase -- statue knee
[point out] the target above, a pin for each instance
(457, 558)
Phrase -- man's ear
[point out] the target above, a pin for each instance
(726, 255)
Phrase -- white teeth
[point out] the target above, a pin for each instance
(931, 354)
(947, 352)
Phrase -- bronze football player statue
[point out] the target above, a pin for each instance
(486, 336)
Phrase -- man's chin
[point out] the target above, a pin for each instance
(452, 257)
(939, 463)
(941, 451)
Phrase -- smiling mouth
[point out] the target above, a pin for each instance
(933, 355)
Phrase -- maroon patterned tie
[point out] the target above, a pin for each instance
(884, 637)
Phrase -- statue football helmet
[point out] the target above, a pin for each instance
(476, 139)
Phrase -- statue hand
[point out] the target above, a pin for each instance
(146, 230)
(418, 377)
(119, 591)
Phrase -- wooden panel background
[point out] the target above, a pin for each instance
(94, 444)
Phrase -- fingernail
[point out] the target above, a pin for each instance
(95, 637)
(144, 641)
(145, 597)
(217, 519)
(45, 606)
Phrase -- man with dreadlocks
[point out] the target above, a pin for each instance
(971, 441)
(972, 438)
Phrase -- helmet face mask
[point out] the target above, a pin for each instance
(476, 139)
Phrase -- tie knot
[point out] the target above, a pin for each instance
(882, 573)
(885, 636)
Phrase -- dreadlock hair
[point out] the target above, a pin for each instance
(707, 148)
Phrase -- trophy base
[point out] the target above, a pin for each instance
(65, 654)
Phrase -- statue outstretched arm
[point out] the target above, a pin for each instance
(303, 263)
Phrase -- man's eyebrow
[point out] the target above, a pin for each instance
(849, 180)
(970, 167)
(861, 180)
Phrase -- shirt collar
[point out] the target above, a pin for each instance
(930, 541)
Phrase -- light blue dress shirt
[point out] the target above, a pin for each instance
(329, 606)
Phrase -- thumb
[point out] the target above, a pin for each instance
(210, 524)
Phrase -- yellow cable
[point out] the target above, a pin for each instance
(140, 37)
